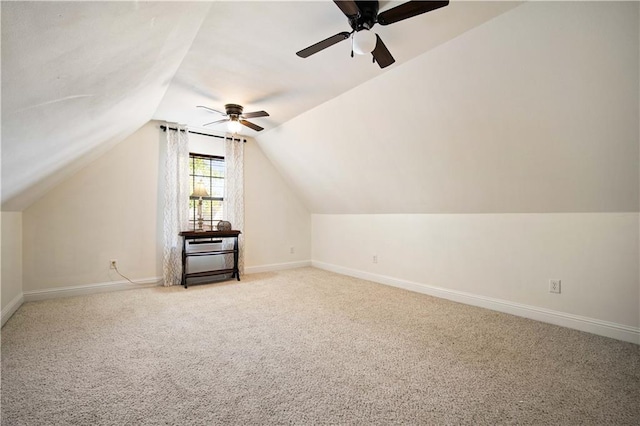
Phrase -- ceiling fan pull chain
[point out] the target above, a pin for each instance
(352, 43)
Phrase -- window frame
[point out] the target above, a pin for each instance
(210, 218)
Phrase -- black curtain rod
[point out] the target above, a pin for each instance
(164, 129)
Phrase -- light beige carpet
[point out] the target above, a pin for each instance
(304, 346)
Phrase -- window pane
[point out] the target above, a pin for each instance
(217, 188)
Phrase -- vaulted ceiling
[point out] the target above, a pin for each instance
(78, 77)
(535, 111)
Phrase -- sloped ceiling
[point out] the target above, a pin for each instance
(245, 53)
(78, 77)
(536, 111)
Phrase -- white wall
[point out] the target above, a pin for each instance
(112, 209)
(487, 166)
(11, 272)
(507, 258)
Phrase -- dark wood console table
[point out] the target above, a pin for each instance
(213, 236)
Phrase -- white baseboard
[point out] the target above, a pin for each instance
(12, 307)
(590, 325)
(80, 290)
(276, 267)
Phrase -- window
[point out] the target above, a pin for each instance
(208, 169)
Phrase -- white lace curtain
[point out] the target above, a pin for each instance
(234, 193)
(176, 202)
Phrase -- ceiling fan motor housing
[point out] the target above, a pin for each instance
(367, 16)
(233, 109)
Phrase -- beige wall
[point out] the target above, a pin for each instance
(276, 221)
(112, 210)
(108, 210)
(11, 273)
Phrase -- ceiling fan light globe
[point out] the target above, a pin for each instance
(364, 41)
(234, 126)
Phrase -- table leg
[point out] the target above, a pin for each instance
(183, 281)
(236, 271)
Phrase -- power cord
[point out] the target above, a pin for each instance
(115, 268)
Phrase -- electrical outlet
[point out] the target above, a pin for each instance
(112, 264)
(375, 258)
(554, 286)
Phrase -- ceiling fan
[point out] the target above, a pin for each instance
(235, 118)
(362, 16)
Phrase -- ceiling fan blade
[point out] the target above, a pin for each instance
(315, 48)
(251, 125)
(224, 120)
(381, 54)
(349, 7)
(211, 109)
(255, 114)
(408, 10)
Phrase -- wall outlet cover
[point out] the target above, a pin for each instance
(554, 286)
